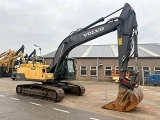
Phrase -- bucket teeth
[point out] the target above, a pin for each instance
(126, 100)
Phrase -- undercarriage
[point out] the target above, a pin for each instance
(54, 92)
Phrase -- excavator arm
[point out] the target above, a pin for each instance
(126, 26)
(33, 54)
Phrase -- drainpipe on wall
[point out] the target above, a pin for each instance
(97, 68)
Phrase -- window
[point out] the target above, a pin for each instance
(83, 70)
(145, 68)
(93, 71)
(71, 70)
(157, 70)
(117, 70)
(130, 69)
(108, 71)
(70, 66)
(145, 71)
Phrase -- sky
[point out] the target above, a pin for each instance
(46, 23)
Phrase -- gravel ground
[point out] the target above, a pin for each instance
(98, 94)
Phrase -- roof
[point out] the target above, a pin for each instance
(144, 50)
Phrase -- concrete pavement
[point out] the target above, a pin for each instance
(97, 94)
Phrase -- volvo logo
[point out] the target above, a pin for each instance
(93, 31)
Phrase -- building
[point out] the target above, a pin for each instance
(97, 62)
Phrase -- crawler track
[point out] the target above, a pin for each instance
(41, 91)
(71, 88)
(53, 92)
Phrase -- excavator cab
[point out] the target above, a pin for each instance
(66, 71)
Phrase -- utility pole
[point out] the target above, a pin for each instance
(39, 48)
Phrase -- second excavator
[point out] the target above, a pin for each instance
(8, 60)
(62, 68)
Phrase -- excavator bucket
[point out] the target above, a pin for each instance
(126, 100)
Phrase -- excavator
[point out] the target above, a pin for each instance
(63, 68)
(34, 69)
(8, 60)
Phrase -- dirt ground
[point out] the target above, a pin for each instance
(98, 94)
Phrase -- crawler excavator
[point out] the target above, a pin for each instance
(62, 68)
(34, 68)
(8, 60)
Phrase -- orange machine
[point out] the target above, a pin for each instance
(115, 74)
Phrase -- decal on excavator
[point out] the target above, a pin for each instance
(93, 31)
(120, 41)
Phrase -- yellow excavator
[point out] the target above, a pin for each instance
(62, 68)
(8, 61)
(34, 68)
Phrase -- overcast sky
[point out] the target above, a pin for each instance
(47, 22)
